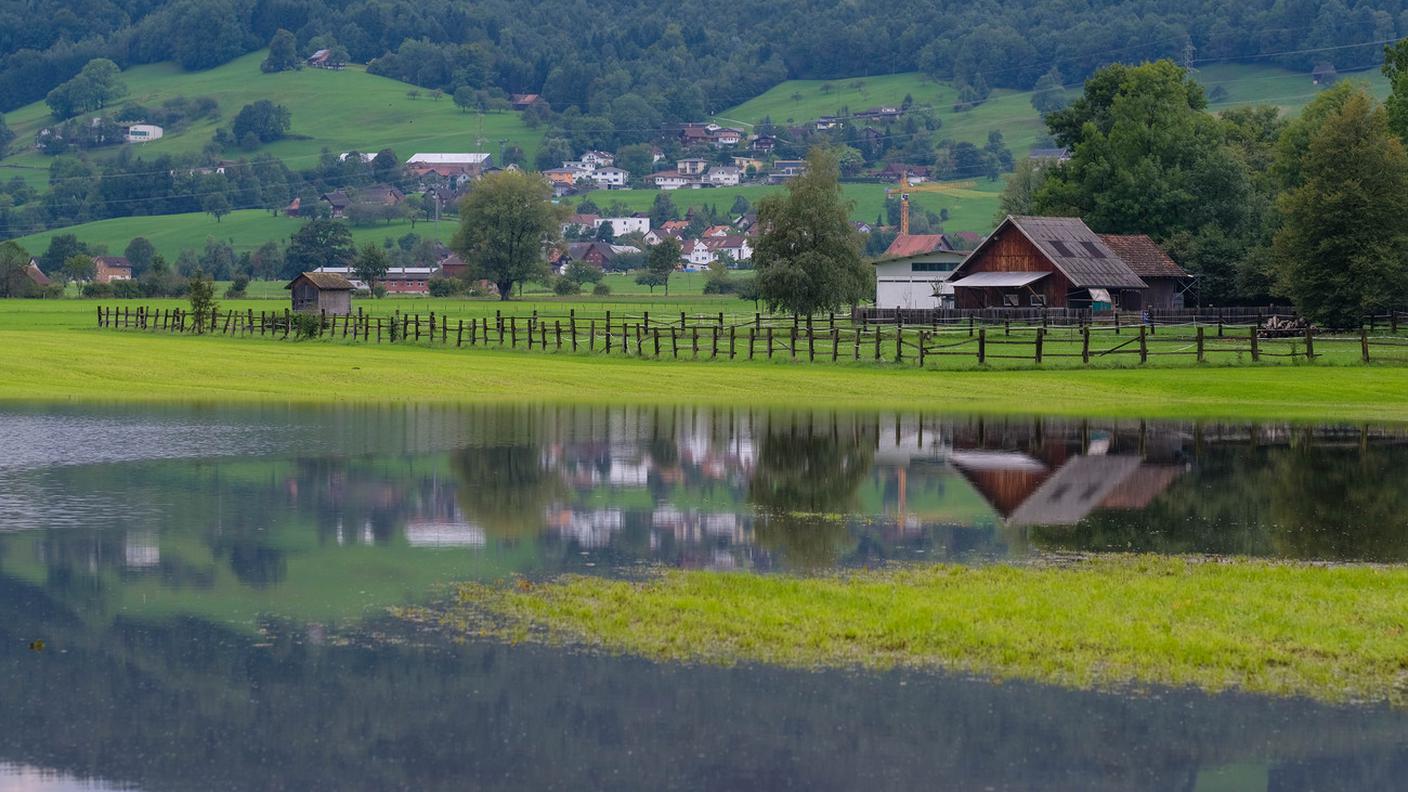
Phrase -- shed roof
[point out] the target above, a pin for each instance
(1144, 256)
(1069, 244)
(982, 280)
(916, 244)
(327, 281)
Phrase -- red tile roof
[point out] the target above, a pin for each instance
(1143, 255)
(915, 245)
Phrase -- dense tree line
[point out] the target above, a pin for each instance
(680, 61)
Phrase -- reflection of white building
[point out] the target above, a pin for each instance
(590, 529)
(140, 550)
(430, 533)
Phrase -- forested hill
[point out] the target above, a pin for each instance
(691, 57)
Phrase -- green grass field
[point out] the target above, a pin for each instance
(1331, 633)
(51, 350)
(1261, 84)
(336, 110)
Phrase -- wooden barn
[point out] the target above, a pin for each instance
(321, 292)
(1167, 281)
(1044, 262)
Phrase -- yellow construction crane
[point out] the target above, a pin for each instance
(904, 202)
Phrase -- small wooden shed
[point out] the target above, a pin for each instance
(319, 292)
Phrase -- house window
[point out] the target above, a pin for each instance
(1039, 300)
(1011, 300)
(932, 266)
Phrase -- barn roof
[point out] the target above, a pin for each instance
(1144, 256)
(327, 281)
(1076, 251)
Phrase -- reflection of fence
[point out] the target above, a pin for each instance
(813, 339)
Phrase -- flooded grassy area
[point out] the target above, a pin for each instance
(1335, 633)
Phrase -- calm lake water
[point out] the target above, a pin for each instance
(212, 587)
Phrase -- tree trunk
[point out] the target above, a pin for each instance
(505, 290)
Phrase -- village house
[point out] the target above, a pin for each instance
(692, 166)
(763, 144)
(1050, 155)
(744, 163)
(783, 170)
(35, 274)
(564, 176)
(524, 101)
(107, 269)
(914, 270)
(700, 253)
(724, 176)
(450, 165)
(1043, 262)
(884, 113)
(620, 226)
(397, 280)
(323, 59)
(829, 122)
(580, 223)
(916, 174)
(702, 134)
(143, 133)
(337, 201)
(672, 180)
(609, 177)
(317, 292)
(598, 254)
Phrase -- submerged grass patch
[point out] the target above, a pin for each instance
(1334, 633)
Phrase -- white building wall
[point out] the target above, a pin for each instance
(896, 286)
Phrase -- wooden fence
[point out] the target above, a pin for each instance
(813, 339)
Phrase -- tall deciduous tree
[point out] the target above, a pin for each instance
(504, 224)
(370, 265)
(1395, 68)
(1343, 249)
(283, 53)
(319, 243)
(139, 253)
(201, 293)
(660, 264)
(14, 280)
(808, 257)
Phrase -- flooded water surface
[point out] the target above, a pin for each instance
(201, 598)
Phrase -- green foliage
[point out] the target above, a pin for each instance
(1049, 95)
(504, 224)
(808, 257)
(79, 267)
(660, 264)
(601, 290)
(565, 287)
(1395, 68)
(201, 296)
(263, 120)
(283, 53)
(370, 265)
(98, 83)
(1343, 250)
(582, 273)
(14, 261)
(6, 135)
(1019, 196)
(238, 288)
(319, 243)
(61, 248)
(139, 253)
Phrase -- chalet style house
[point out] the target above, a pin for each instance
(1058, 262)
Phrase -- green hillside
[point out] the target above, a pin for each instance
(800, 101)
(245, 229)
(1253, 84)
(970, 205)
(337, 110)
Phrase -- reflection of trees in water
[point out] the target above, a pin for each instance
(505, 488)
(1304, 502)
(804, 481)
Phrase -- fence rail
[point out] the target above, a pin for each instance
(814, 339)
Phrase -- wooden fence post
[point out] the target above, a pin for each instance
(792, 338)
(1309, 344)
(1143, 344)
(731, 330)
(922, 339)
(656, 332)
(1364, 343)
(769, 332)
(674, 342)
(1256, 346)
(982, 345)
(1200, 343)
(835, 340)
(899, 343)
(1040, 337)
(591, 335)
(752, 338)
(1085, 343)
(877, 341)
(693, 341)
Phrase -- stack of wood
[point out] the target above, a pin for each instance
(1285, 327)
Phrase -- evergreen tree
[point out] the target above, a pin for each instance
(808, 258)
(1343, 249)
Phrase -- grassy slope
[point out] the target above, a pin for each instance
(339, 111)
(1331, 633)
(244, 230)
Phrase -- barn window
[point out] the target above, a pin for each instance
(1011, 300)
(1039, 300)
